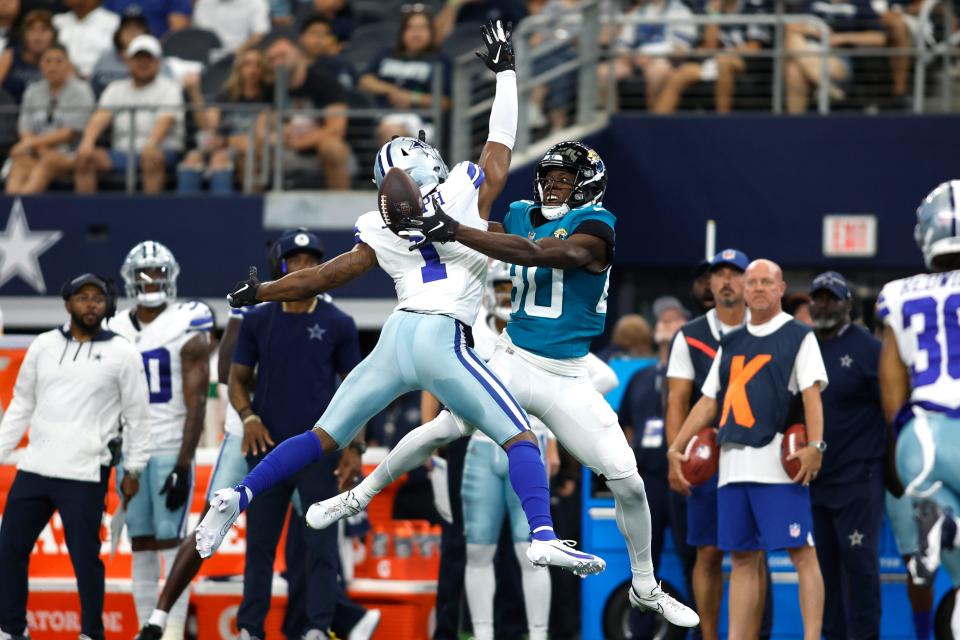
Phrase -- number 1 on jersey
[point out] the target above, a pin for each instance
(434, 269)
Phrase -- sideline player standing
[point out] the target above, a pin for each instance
(173, 339)
(425, 343)
(920, 384)
(560, 246)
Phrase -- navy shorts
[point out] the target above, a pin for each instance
(702, 515)
(756, 516)
(118, 159)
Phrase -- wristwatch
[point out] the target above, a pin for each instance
(819, 445)
(133, 475)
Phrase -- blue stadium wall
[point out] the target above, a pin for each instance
(767, 181)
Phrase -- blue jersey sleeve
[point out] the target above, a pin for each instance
(347, 355)
(517, 221)
(247, 351)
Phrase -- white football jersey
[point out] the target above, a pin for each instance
(159, 343)
(439, 278)
(924, 313)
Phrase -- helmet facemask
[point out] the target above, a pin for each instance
(150, 274)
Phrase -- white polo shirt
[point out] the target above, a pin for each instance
(88, 38)
(73, 396)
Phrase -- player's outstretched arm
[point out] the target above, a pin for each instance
(498, 151)
(305, 283)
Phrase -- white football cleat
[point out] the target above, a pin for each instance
(659, 601)
(223, 512)
(560, 553)
(322, 514)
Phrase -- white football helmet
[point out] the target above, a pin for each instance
(497, 304)
(421, 162)
(150, 255)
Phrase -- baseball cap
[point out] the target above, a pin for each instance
(144, 43)
(72, 286)
(663, 303)
(702, 267)
(730, 258)
(833, 282)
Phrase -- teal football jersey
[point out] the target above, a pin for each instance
(556, 312)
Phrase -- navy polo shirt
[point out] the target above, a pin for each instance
(853, 424)
(298, 358)
(642, 409)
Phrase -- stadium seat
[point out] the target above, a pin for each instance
(191, 44)
(367, 40)
(465, 38)
(215, 76)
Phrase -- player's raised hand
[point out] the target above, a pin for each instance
(428, 229)
(499, 54)
(244, 293)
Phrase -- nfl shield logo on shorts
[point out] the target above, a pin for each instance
(795, 530)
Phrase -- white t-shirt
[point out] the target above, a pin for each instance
(445, 279)
(163, 95)
(87, 39)
(680, 364)
(234, 21)
(740, 463)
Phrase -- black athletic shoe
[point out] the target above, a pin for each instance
(926, 559)
(150, 632)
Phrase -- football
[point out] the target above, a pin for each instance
(399, 199)
(703, 457)
(794, 439)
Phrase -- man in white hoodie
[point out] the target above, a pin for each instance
(75, 384)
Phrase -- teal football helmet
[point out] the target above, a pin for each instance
(938, 224)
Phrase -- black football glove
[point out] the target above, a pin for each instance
(177, 487)
(499, 55)
(244, 293)
(428, 229)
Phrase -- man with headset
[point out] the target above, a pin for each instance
(299, 350)
(74, 385)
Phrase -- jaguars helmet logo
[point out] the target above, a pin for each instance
(560, 233)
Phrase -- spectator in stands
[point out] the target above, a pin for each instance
(9, 10)
(54, 112)
(237, 23)
(723, 68)
(902, 26)
(112, 65)
(636, 43)
(20, 64)
(402, 77)
(223, 134)
(852, 23)
(314, 88)
(322, 48)
(161, 15)
(553, 98)
(337, 12)
(476, 11)
(85, 31)
(156, 138)
(632, 338)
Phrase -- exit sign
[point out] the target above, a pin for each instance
(850, 236)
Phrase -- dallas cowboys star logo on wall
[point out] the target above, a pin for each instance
(20, 249)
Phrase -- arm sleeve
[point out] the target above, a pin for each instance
(135, 409)
(711, 386)
(503, 113)
(347, 355)
(602, 377)
(679, 364)
(17, 417)
(808, 369)
(201, 317)
(246, 351)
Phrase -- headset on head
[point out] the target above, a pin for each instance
(70, 287)
(287, 244)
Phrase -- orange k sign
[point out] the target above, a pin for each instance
(736, 396)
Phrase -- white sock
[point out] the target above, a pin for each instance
(412, 451)
(633, 521)
(145, 576)
(536, 593)
(177, 620)
(480, 585)
(158, 618)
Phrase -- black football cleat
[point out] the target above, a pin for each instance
(150, 632)
(930, 519)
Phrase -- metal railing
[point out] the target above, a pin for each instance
(924, 57)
